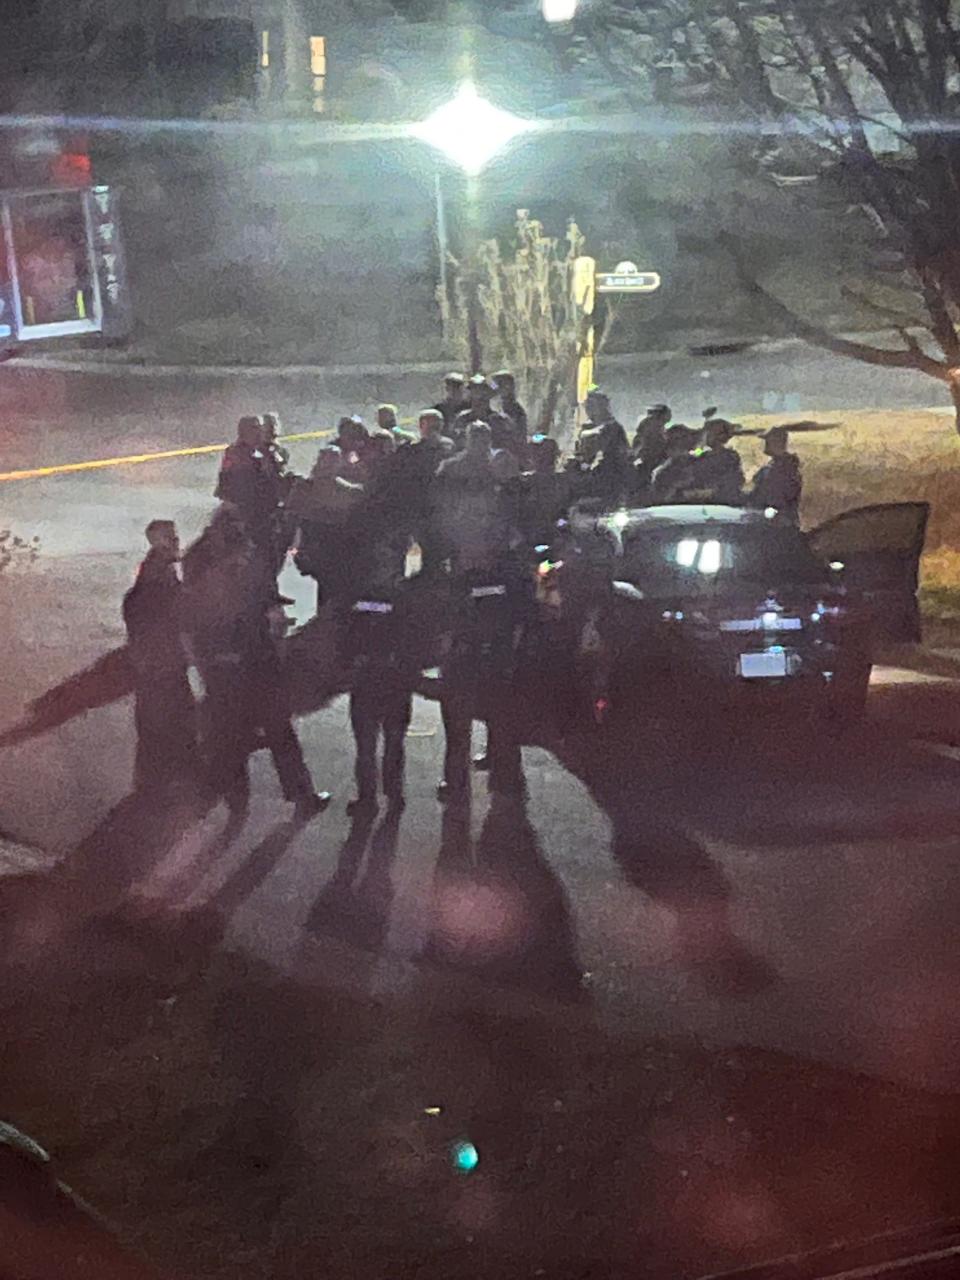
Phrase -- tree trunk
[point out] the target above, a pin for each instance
(955, 397)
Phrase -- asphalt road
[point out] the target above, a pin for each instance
(714, 881)
(63, 415)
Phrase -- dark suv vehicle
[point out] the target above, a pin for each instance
(718, 602)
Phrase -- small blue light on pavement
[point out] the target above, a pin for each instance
(465, 1157)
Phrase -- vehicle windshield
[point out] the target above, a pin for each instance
(701, 560)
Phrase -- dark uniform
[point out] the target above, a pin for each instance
(277, 459)
(478, 677)
(609, 476)
(248, 706)
(545, 494)
(413, 478)
(716, 475)
(504, 431)
(385, 666)
(670, 480)
(779, 484)
(164, 708)
(517, 414)
(452, 404)
(248, 480)
(649, 443)
(282, 479)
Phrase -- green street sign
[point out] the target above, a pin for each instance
(628, 278)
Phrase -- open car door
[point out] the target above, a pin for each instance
(879, 548)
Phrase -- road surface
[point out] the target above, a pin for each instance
(65, 415)
(833, 876)
(713, 888)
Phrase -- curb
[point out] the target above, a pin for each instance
(139, 366)
(108, 360)
(944, 663)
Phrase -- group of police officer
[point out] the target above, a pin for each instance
(477, 494)
(669, 462)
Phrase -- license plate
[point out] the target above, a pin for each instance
(763, 666)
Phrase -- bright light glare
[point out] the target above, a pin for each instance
(465, 1157)
(469, 130)
(559, 10)
(687, 552)
(710, 557)
(620, 519)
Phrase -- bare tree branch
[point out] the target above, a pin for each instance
(897, 317)
(910, 357)
(941, 323)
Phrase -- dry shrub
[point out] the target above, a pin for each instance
(528, 321)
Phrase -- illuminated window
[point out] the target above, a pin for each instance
(264, 49)
(318, 69)
(318, 55)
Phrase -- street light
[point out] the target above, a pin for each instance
(559, 10)
(470, 131)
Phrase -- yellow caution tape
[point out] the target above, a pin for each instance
(131, 459)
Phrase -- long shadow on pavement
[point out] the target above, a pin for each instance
(643, 798)
(313, 681)
(108, 680)
(354, 907)
(499, 911)
(94, 880)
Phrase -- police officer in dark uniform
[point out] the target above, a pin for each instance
(545, 493)
(248, 482)
(778, 485)
(504, 432)
(454, 401)
(716, 474)
(276, 455)
(671, 479)
(487, 617)
(248, 706)
(505, 385)
(164, 707)
(381, 644)
(277, 460)
(649, 447)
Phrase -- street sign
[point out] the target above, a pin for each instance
(628, 278)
